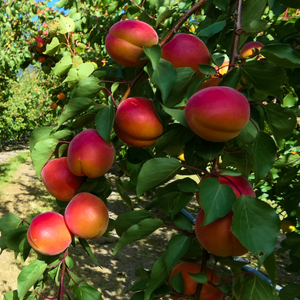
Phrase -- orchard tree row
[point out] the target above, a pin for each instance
(190, 99)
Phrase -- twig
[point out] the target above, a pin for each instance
(238, 31)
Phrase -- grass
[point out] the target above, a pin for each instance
(8, 168)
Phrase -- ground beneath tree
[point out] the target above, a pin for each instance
(25, 196)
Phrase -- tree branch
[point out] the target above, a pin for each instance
(238, 31)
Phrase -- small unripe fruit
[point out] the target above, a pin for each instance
(54, 105)
(41, 59)
(217, 114)
(87, 216)
(48, 234)
(186, 50)
(136, 122)
(61, 96)
(126, 40)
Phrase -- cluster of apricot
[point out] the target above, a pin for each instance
(215, 113)
(86, 215)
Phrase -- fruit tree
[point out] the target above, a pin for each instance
(131, 95)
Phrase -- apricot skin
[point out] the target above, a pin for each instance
(89, 154)
(247, 49)
(48, 234)
(217, 114)
(208, 292)
(186, 50)
(136, 122)
(59, 181)
(126, 40)
(87, 216)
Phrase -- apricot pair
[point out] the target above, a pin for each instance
(217, 237)
(86, 216)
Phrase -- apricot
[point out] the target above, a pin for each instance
(54, 105)
(48, 234)
(41, 59)
(208, 292)
(59, 181)
(248, 49)
(61, 96)
(223, 242)
(126, 39)
(217, 114)
(186, 50)
(136, 122)
(89, 155)
(87, 216)
(222, 70)
(214, 81)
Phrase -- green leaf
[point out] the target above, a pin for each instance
(248, 133)
(126, 220)
(156, 171)
(63, 66)
(222, 4)
(290, 100)
(164, 15)
(75, 278)
(104, 122)
(137, 232)
(282, 55)
(86, 292)
(181, 202)
(255, 224)
(207, 69)
(232, 78)
(264, 150)
(257, 26)
(75, 107)
(291, 3)
(177, 114)
(66, 25)
(215, 198)
(88, 250)
(177, 246)
(159, 274)
(41, 154)
(271, 267)
(252, 10)
(41, 133)
(187, 185)
(211, 30)
(200, 277)
(154, 54)
(282, 121)
(255, 288)
(266, 77)
(178, 283)
(164, 77)
(290, 292)
(29, 276)
(123, 194)
(53, 47)
(15, 237)
(185, 76)
(86, 88)
(209, 150)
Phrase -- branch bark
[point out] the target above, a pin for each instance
(238, 31)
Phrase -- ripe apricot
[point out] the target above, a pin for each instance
(208, 292)
(48, 234)
(126, 39)
(217, 114)
(59, 181)
(249, 49)
(186, 50)
(136, 122)
(89, 155)
(86, 216)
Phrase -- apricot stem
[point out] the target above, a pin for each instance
(227, 280)
(68, 271)
(190, 167)
(112, 97)
(254, 125)
(142, 9)
(238, 31)
(225, 177)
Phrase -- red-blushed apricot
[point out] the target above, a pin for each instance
(126, 39)
(86, 216)
(217, 114)
(248, 49)
(61, 96)
(136, 122)
(208, 292)
(48, 234)
(89, 155)
(222, 70)
(217, 237)
(59, 181)
(186, 50)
